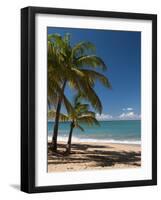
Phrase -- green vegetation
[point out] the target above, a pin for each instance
(74, 67)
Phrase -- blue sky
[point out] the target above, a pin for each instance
(121, 51)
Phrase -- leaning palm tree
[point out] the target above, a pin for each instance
(75, 65)
(80, 115)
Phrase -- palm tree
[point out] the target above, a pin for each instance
(80, 115)
(56, 84)
(76, 66)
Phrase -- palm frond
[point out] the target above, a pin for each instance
(80, 127)
(54, 91)
(88, 113)
(77, 72)
(91, 61)
(67, 38)
(57, 39)
(68, 105)
(82, 48)
(88, 119)
(91, 96)
(93, 75)
(81, 108)
(62, 117)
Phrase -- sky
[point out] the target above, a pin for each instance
(121, 52)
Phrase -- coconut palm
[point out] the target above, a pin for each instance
(56, 84)
(80, 115)
(75, 65)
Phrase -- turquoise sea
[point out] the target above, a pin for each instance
(125, 131)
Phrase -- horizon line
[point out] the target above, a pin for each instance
(50, 120)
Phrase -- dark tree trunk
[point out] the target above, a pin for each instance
(56, 126)
(70, 137)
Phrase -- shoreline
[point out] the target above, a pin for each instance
(100, 141)
(94, 155)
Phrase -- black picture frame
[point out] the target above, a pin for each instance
(28, 98)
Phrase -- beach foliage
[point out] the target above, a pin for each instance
(73, 66)
(81, 115)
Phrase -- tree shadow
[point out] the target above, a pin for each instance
(83, 147)
(95, 155)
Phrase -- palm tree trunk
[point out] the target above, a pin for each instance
(70, 137)
(56, 126)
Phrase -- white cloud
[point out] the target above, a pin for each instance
(123, 116)
(127, 109)
(129, 116)
(103, 117)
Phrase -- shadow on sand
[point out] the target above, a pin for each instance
(86, 153)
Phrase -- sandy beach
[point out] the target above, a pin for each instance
(88, 156)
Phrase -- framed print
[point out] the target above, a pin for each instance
(88, 99)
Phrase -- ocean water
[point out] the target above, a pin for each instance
(125, 131)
